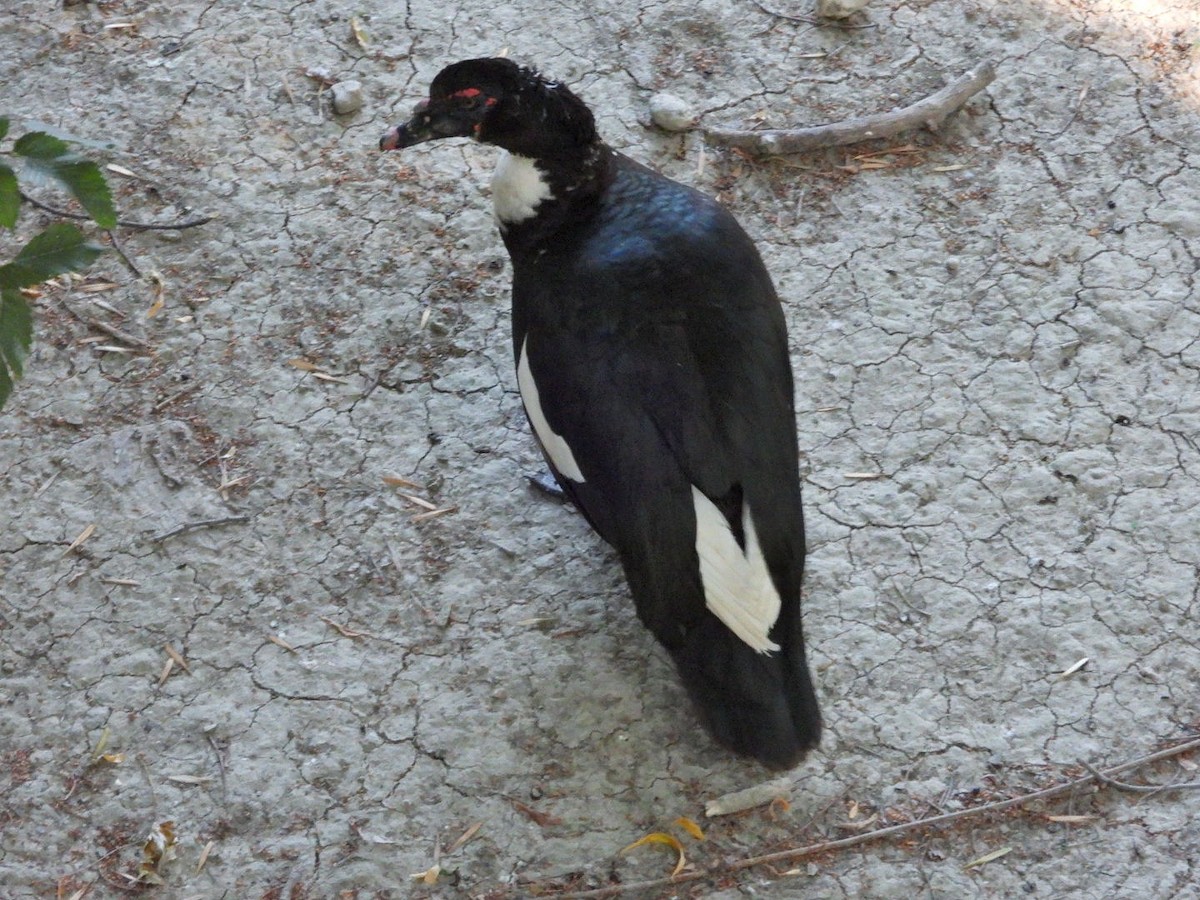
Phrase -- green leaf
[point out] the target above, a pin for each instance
(16, 334)
(3, 127)
(60, 248)
(88, 185)
(39, 145)
(80, 176)
(10, 197)
(6, 384)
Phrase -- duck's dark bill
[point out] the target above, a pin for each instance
(406, 135)
(431, 121)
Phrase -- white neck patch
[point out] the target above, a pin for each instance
(518, 186)
(737, 585)
(556, 448)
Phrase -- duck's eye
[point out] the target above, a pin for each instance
(470, 97)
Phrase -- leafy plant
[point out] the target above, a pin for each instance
(58, 249)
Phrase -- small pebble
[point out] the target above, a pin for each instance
(319, 73)
(347, 97)
(839, 9)
(671, 113)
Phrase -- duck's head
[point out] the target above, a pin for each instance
(498, 102)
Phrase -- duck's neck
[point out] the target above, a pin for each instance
(535, 198)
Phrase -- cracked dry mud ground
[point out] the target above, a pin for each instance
(1000, 324)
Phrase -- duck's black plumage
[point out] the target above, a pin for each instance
(652, 358)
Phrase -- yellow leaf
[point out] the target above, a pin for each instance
(429, 876)
(690, 827)
(661, 837)
(101, 743)
(361, 38)
(115, 758)
(204, 855)
(303, 365)
(988, 857)
(83, 536)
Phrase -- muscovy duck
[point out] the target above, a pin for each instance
(652, 360)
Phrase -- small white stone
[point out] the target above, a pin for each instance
(347, 97)
(671, 113)
(839, 9)
(319, 73)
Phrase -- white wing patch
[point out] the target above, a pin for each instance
(737, 586)
(518, 186)
(556, 448)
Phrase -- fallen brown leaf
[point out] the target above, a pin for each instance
(178, 657)
(464, 837)
(281, 642)
(397, 481)
(536, 816)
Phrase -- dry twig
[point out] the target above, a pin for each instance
(141, 226)
(929, 113)
(195, 526)
(1099, 777)
(813, 20)
(116, 245)
(111, 330)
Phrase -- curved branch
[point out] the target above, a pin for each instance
(929, 113)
